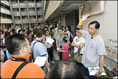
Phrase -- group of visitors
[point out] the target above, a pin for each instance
(21, 47)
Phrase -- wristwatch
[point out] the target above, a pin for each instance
(99, 72)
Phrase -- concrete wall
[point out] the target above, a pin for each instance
(5, 13)
(108, 21)
(52, 6)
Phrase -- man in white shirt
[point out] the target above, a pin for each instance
(94, 49)
(78, 43)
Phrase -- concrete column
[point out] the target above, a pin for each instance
(20, 13)
(12, 13)
(36, 12)
(28, 13)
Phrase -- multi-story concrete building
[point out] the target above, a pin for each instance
(69, 13)
(5, 17)
(27, 12)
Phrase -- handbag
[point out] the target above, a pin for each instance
(78, 57)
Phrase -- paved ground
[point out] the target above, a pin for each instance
(55, 54)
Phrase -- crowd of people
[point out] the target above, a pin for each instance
(20, 47)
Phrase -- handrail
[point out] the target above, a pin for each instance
(111, 58)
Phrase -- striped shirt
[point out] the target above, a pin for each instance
(94, 47)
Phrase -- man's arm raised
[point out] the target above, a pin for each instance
(84, 17)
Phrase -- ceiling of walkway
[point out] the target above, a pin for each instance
(67, 7)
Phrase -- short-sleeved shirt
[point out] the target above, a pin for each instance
(94, 47)
(77, 41)
(56, 33)
(65, 48)
(59, 41)
(44, 40)
(28, 71)
(39, 49)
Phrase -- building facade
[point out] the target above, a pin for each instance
(27, 12)
(5, 18)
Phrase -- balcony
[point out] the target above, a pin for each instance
(23, 5)
(15, 5)
(24, 13)
(40, 12)
(25, 21)
(5, 20)
(5, 2)
(39, 5)
(31, 5)
(40, 20)
(16, 13)
(17, 21)
(33, 20)
(5, 11)
(32, 13)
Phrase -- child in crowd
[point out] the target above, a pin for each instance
(65, 49)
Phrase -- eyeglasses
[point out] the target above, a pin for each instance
(26, 45)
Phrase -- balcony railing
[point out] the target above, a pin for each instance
(33, 20)
(25, 21)
(23, 5)
(40, 20)
(40, 13)
(39, 5)
(31, 4)
(17, 21)
(5, 2)
(32, 13)
(5, 20)
(24, 13)
(15, 5)
(16, 13)
(5, 11)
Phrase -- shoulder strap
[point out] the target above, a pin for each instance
(18, 69)
(33, 49)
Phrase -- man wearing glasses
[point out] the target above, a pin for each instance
(18, 66)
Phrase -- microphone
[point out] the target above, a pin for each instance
(91, 37)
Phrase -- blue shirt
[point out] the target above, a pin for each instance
(39, 49)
